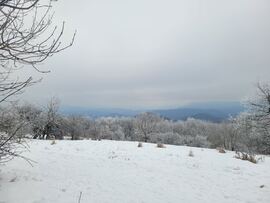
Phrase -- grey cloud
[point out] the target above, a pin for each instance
(148, 53)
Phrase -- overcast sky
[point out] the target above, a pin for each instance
(157, 53)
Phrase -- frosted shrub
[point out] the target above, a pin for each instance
(191, 153)
(221, 150)
(247, 157)
(160, 145)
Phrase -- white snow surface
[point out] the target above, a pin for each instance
(116, 171)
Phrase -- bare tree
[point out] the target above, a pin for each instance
(26, 39)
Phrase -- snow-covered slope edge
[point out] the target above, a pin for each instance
(114, 171)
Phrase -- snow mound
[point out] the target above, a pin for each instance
(114, 171)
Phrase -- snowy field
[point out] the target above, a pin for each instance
(120, 172)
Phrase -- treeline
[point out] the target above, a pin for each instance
(247, 132)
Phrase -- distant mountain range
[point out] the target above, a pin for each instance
(210, 111)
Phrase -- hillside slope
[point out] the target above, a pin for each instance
(112, 171)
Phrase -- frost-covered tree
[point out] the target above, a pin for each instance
(192, 132)
(259, 106)
(128, 128)
(247, 135)
(94, 130)
(12, 131)
(146, 124)
(75, 126)
(259, 113)
(52, 120)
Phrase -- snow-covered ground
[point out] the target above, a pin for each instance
(113, 171)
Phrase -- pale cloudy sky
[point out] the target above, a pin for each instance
(157, 53)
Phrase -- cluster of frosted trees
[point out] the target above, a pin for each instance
(246, 132)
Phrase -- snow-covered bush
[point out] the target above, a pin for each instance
(160, 145)
(191, 154)
(221, 150)
(247, 157)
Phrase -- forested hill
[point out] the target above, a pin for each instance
(211, 111)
